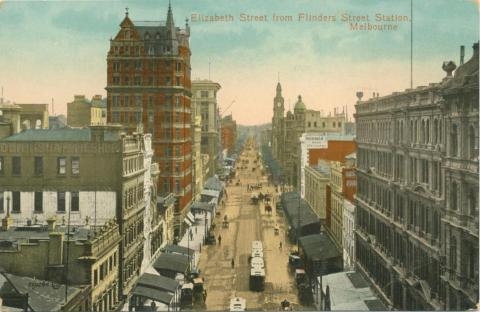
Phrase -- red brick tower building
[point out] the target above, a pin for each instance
(149, 87)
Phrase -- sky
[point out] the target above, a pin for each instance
(56, 49)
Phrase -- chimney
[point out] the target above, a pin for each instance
(462, 54)
(52, 224)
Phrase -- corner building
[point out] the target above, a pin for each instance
(148, 85)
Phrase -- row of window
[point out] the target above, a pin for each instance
(152, 65)
(107, 266)
(138, 50)
(334, 124)
(137, 100)
(38, 202)
(138, 81)
(16, 165)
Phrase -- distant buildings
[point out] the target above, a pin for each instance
(149, 87)
(84, 113)
(57, 122)
(17, 117)
(204, 99)
(229, 133)
(417, 200)
(287, 130)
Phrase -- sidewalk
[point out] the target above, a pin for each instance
(198, 236)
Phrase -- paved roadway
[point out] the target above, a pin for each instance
(248, 222)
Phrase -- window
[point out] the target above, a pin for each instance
(333, 124)
(15, 202)
(138, 100)
(1, 165)
(472, 143)
(116, 116)
(454, 141)
(138, 80)
(177, 117)
(127, 117)
(204, 94)
(16, 165)
(95, 277)
(116, 80)
(75, 165)
(138, 63)
(75, 202)
(116, 67)
(472, 201)
(166, 186)
(339, 124)
(177, 80)
(323, 124)
(177, 186)
(126, 82)
(38, 202)
(453, 196)
(61, 165)
(177, 133)
(138, 117)
(2, 207)
(167, 81)
(61, 201)
(453, 253)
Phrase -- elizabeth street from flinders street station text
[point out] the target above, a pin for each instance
(300, 17)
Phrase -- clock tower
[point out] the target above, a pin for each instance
(277, 124)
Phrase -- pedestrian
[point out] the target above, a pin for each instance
(219, 239)
(233, 263)
(280, 246)
(204, 295)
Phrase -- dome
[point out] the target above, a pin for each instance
(300, 106)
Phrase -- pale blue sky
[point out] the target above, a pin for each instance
(58, 49)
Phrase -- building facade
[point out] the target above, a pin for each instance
(84, 113)
(85, 177)
(229, 133)
(348, 235)
(317, 178)
(416, 211)
(204, 97)
(92, 262)
(149, 87)
(287, 131)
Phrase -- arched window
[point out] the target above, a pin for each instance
(453, 196)
(453, 252)
(472, 143)
(415, 131)
(454, 141)
(472, 201)
(422, 132)
(427, 132)
(412, 137)
(435, 131)
(147, 36)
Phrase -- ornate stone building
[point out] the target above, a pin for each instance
(204, 99)
(417, 198)
(287, 130)
(149, 87)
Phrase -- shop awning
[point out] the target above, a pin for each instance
(202, 206)
(172, 262)
(210, 193)
(179, 250)
(189, 218)
(158, 282)
(153, 294)
(318, 247)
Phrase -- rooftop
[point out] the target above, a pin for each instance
(350, 291)
(58, 135)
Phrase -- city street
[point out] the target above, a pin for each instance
(248, 222)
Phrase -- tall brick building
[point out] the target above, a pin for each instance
(149, 87)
